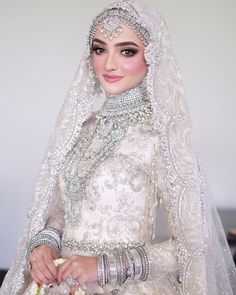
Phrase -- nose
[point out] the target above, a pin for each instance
(111, 62)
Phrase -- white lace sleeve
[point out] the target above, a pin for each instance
(161, 251)
(57, 212)
(172, 255)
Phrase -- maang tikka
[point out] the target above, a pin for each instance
(111, 27)
(110, 22)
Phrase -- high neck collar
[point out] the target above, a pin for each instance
(124, 103)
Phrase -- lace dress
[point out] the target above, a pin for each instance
(116, 207)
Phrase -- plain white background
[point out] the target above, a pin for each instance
(41, 43)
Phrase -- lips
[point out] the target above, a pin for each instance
(112, 78)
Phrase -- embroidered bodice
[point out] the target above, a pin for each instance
(108, 187)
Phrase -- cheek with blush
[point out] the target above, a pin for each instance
(134, 66)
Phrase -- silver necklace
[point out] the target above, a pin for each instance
(109, 128)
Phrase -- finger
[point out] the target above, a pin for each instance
(45, 271)
(62, 269)
(39, 274)
(35, 278)
(55, 255)
(48, 260)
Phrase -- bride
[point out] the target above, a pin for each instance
(107, 171)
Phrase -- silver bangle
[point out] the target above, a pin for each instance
(131, 263)
(138, 264)
(106, 269)
(122, 267)
(100, 271)
(112, 264)
(54, 234)
(45, 237)
(42, 236)
(145, 263)
(118, 267)
(115, 267)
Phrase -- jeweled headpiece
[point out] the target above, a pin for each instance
(110, 21)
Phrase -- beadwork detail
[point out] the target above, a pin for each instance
(97, 247)
(110, 21)
(111, 27)
(111, 124)
(192, 216)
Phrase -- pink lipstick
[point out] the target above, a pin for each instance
(112, 78)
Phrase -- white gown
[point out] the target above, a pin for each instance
(120, 209)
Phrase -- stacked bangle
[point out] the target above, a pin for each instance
(145, 263)
(137, 263)
(101, 271)
(112, 266)
(119, 265)
(48, 236)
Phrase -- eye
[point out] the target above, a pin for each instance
(128, 52)
(98, 49)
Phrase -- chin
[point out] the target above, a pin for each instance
(116, 89)
(113, 92)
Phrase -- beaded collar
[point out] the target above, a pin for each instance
(125, 103)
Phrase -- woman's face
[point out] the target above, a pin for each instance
(119, 64)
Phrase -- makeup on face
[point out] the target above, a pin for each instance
(125, 48)
(119, 64)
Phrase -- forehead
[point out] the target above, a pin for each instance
(126, 35)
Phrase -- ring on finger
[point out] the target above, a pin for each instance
(72, 281)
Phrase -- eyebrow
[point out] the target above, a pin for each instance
(117, 44)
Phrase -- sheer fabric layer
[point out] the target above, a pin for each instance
(203, 257)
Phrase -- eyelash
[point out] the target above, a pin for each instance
(128, 52)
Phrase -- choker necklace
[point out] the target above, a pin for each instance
(126, 103)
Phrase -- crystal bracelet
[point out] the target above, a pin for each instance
(100, 271)
(145, 263)
(48, 236)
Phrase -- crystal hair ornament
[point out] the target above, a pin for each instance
(110, 21)
(111, 27)
(203, 256)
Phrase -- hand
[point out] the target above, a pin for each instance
(43, 270)
(81, 268)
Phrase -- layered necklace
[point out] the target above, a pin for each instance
(100, 142)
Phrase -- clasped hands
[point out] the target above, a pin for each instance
(43, 270)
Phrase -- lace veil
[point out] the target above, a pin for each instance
(203, 255)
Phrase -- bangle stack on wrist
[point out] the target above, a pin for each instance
(48, 236)
(119, 265)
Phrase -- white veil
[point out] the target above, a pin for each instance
(203, 255)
